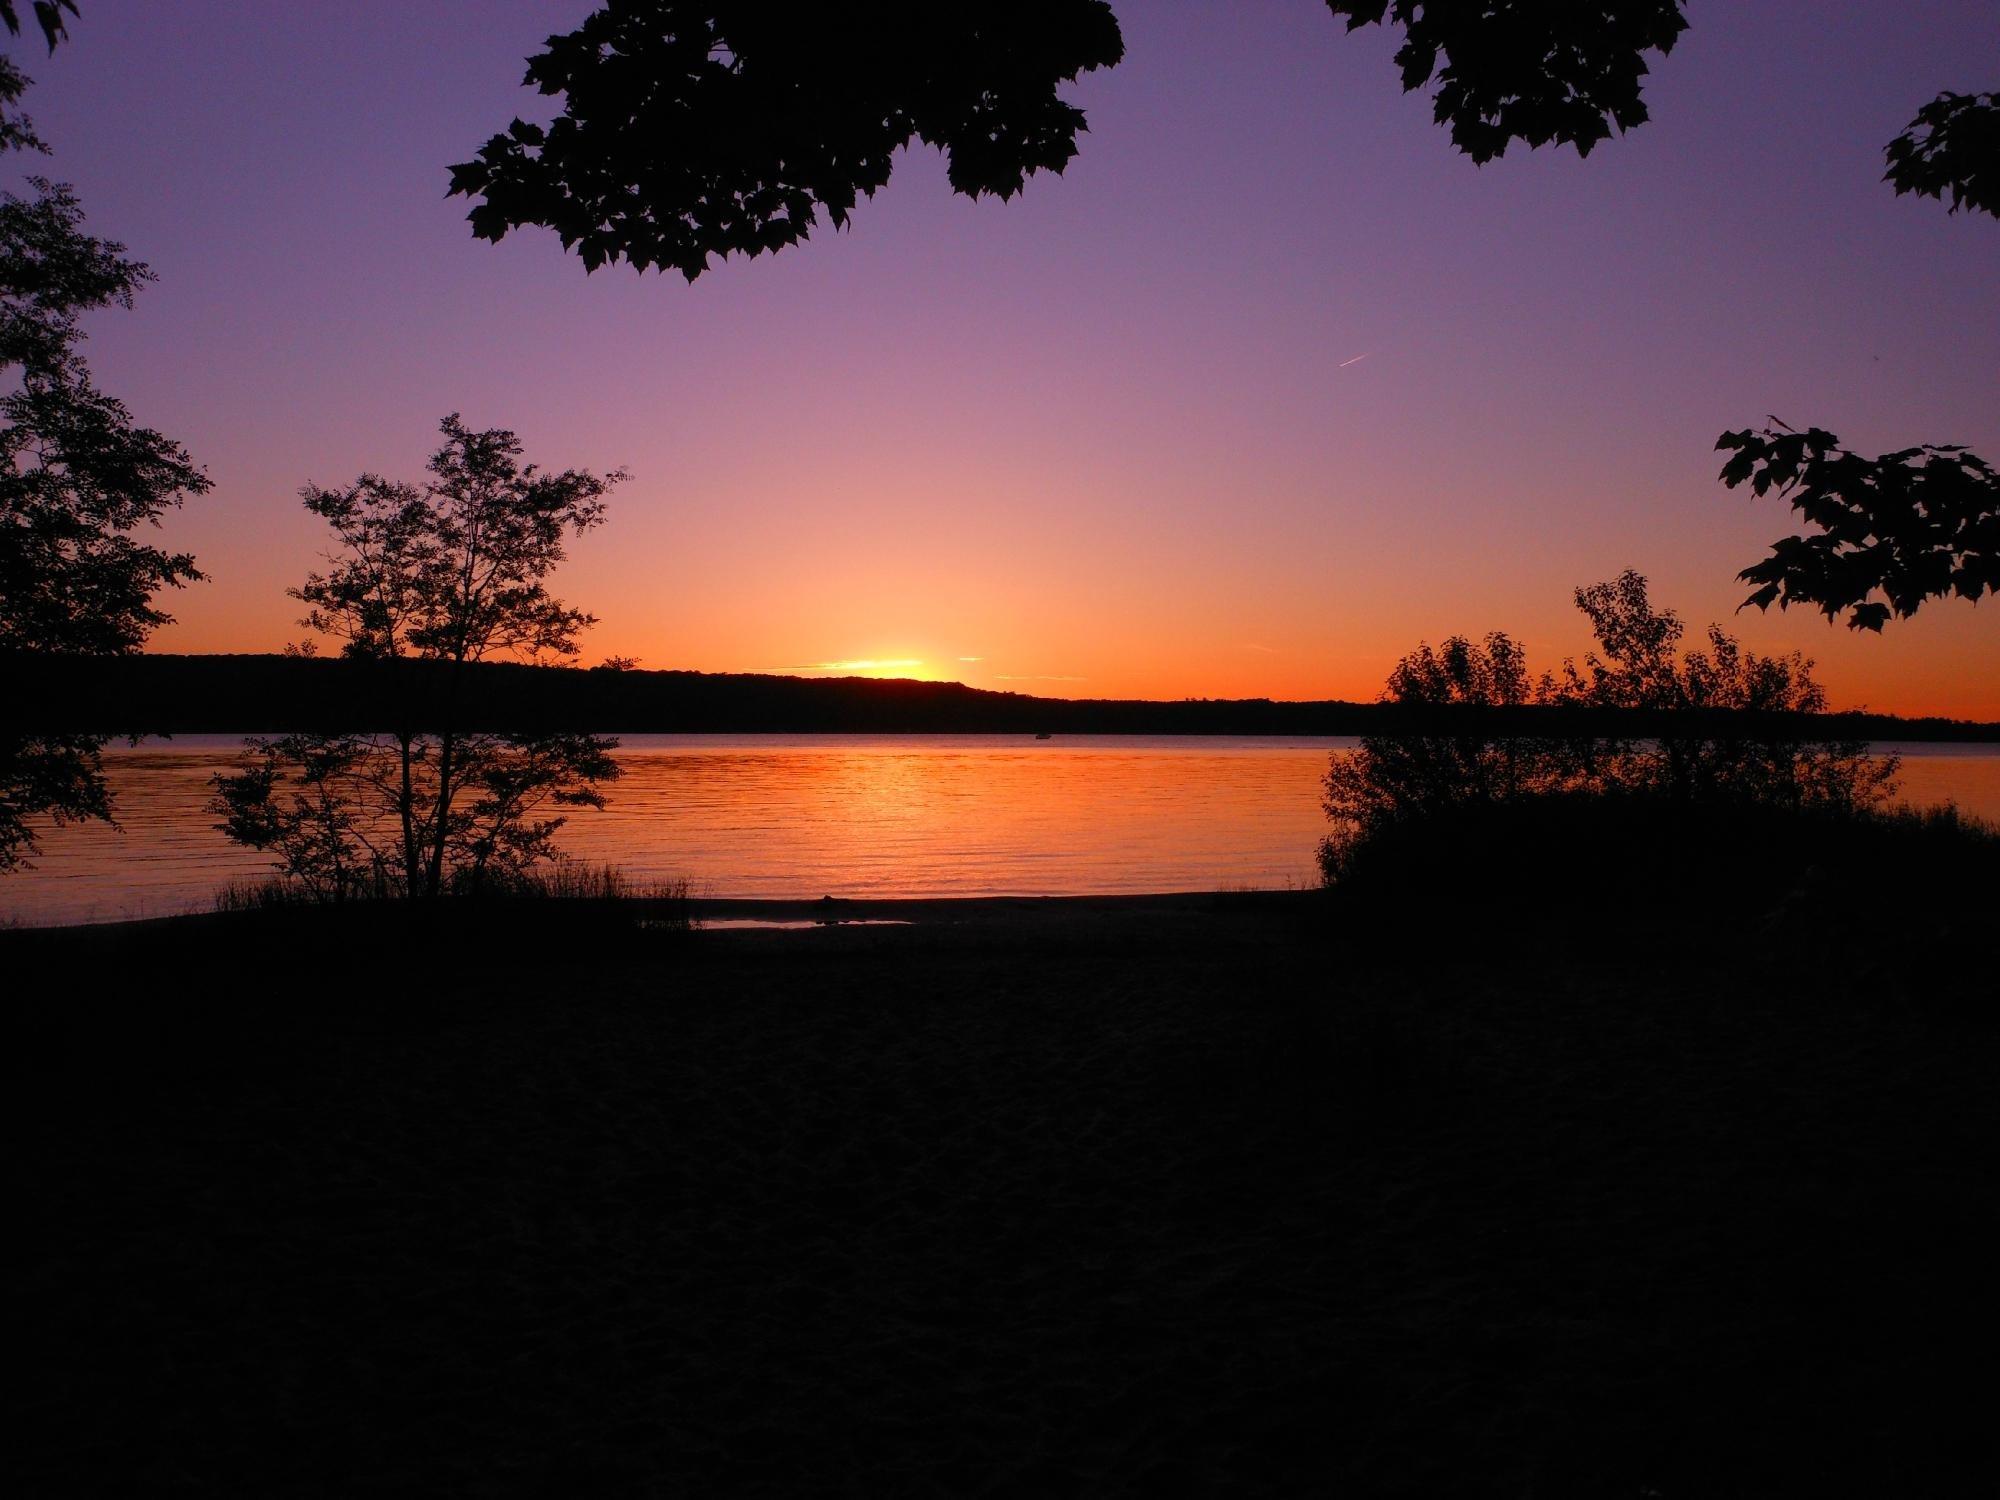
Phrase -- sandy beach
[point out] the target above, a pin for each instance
(1024, 1197)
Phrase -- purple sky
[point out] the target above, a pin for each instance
(1109, 439)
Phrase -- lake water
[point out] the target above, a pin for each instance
(841, 815)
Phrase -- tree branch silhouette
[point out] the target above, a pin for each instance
(1920, 523)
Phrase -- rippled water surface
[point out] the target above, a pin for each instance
(852, 815)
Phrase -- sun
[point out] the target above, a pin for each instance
(870, 666)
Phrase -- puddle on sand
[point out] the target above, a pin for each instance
(796, 924)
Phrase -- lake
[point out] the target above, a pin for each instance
(841, 815)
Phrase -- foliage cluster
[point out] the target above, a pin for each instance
(1951, 148)
(1917, 524)
(1745, 743)
(694, 130)
(1526, 70)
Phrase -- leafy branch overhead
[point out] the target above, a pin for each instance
(1917, 524)
(1526, 70)
(48, 16)
(1952, 147)
(695, 129)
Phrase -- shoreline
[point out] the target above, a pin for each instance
(824, 912)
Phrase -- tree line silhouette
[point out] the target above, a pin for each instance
(279, 694)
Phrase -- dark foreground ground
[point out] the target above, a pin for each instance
(1024, 1199)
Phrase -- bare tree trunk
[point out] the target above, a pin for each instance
(441, 813)
(447, 746)
(406, 806)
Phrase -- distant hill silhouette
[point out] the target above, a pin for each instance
(163, 694)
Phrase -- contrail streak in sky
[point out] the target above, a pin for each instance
(1354, 361)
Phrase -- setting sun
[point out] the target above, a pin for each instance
(866, 666)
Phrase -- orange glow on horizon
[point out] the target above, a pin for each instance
(1933, 665)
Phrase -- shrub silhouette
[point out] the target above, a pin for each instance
(1746, 744)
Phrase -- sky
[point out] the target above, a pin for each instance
(1269, 386)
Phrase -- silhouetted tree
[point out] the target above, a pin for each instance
(1917, 524)
(694, 129)
(77, 477)
(450, 572)
(1951, 147)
